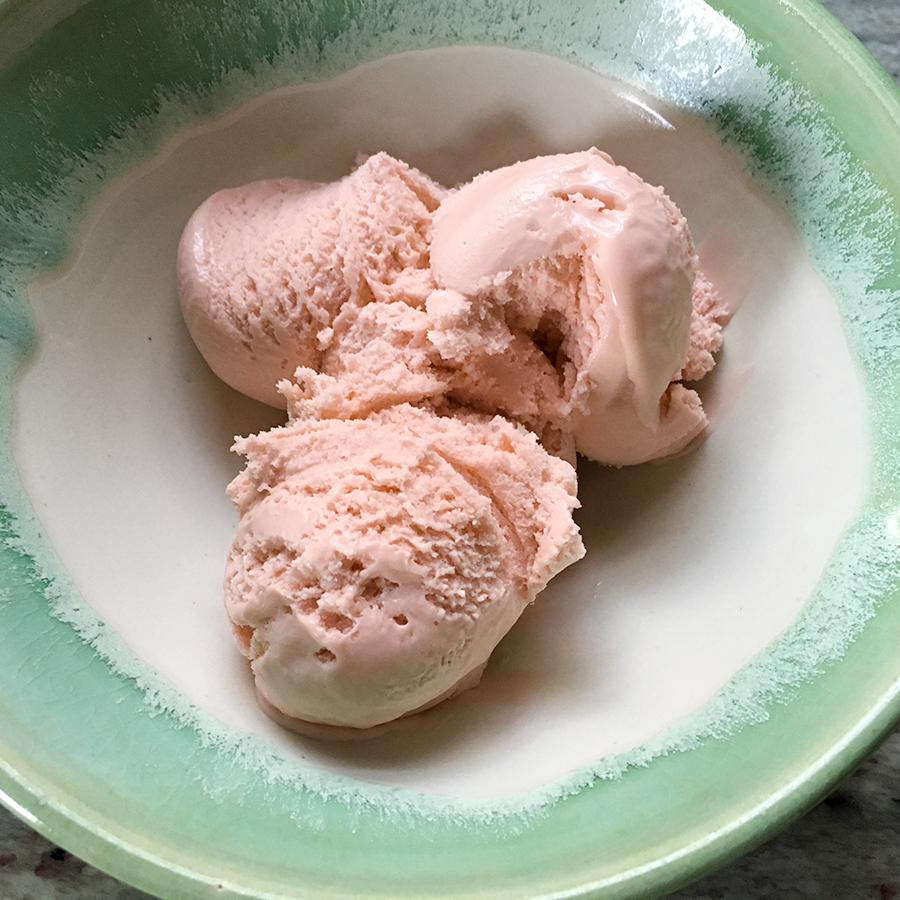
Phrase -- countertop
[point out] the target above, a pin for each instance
(846, 848)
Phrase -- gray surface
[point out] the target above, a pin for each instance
(847, 848)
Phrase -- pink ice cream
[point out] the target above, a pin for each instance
(379, 561)
(442, 354)
(275, 275)
(585, 279)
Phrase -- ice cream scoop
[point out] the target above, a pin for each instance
(265, 270)
(379, 561)
(583, 277)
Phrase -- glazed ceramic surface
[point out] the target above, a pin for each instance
(721, 656)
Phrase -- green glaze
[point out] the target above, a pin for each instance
(103, 761)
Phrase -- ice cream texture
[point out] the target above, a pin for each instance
(379, 561)
(442, 354)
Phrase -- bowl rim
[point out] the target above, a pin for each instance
(43, 805)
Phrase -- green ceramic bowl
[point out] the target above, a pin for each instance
(102, 748)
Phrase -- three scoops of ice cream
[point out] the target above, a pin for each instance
(442, 355)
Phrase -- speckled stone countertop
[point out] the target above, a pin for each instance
(846, 848)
